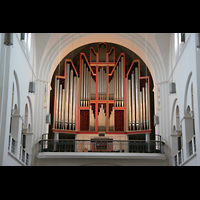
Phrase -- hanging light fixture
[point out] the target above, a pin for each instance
(156, 120)
(8, 39)
(172, 88)
(48, 119)
(198, 40)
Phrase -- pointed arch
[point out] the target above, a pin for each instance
(18, 92)
(186, 92)
(172, 115)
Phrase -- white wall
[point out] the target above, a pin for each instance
(16, 65)
(184, 70)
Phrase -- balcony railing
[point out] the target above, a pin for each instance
(114, 146)
(192, 146)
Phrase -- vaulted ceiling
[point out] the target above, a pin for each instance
(153, 48)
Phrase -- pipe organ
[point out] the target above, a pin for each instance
(102, 95)
(65, 98)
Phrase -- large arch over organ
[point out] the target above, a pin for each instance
(102, 89)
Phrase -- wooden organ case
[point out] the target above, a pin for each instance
(102, 97)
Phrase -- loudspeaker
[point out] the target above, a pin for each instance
(48, 119)
(156, 120)
(8, 39)
(182, 37)
(32, 87)
(23, 37)
(198, 40)
(172, 88)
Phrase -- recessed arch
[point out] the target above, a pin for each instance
(18, 92)
(186, 93)
(172, 115)
(59, 45)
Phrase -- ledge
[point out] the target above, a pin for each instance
(148, 156)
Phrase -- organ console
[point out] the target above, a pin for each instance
(101, 96)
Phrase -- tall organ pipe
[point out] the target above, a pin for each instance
(119, 84)
(84, 84)
(137, 88)
(147, 103)
(122, 80)
(57, 103)
(74, 105)
(70, 99)
(67, 95)
(129, 104)
(133, 99)
(144, 107)
(82, 75)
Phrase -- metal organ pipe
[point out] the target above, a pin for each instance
(141, 111)
(144, 107)
(137, 97)
(122, 80)
(59, 110)
(82, 85)
(63, 107)
(147, 107)
(129, 104)
(119, 84)
(67, 94)
(70, 99)
(133, 100)
(74, 105)
(57, 103)
(117, 88)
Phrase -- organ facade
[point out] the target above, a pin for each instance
(101, 96)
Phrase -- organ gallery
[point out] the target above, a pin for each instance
(102, 93)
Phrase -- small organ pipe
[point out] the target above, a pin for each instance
(70, 99)
(67, 95)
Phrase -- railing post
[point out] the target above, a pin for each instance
(193, 144)
(56, 138)
(148, 141)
